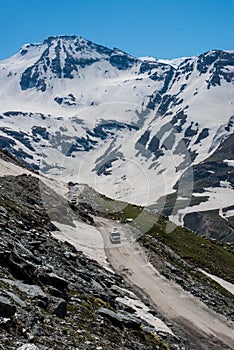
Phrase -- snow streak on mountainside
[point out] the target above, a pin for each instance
(128, 127)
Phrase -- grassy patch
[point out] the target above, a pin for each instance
(127, 211)
(196, 249)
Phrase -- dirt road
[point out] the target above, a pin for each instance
(212, 331)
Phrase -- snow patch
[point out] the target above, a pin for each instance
(142, 311)
(85, 238)
(7, 168)
(225, 184)
(174, 62)
(227, 285)
(230, 162)
(218, 197)
(229, 213)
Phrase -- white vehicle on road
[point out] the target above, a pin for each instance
(115, 235)
(74, 199)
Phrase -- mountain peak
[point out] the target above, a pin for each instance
(67, 40)
(61, 37)
(65, 57)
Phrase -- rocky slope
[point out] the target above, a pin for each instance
(51, 295)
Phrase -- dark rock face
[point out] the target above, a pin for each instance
(41, 132)
(154, 147)
(68, 100)
(21, 269)
(179, 120)
(120, 319)
(105, 168)
(159, 97)
(167, 81)
(211, 225)
(31, 77)
(155, 100)
(122, 61)
(53, 280)
(214, 169)
(167, 100)
(220, 61)
(144, 138)
(9, 145)
(203, 134)
(148, 66)
(205, 60)
(190, 131)
(59, 308)
(100, 133)
(23, 138)
(7, 309)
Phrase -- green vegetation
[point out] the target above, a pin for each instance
(196, 249)
(129, 211)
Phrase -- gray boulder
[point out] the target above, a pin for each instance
(120, 319)
(52, 279)
(59, 308)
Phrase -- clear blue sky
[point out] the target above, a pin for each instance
(160, 28)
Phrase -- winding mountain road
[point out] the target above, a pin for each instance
(211, 331)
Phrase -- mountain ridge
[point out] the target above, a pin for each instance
(87, 109)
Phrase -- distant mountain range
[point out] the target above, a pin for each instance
(147, 131)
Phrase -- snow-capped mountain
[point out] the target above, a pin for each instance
(131, 128)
